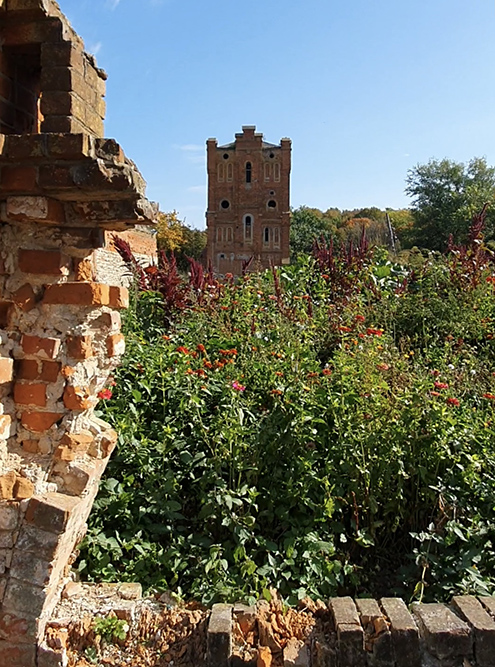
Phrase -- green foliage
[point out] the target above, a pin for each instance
(324, 428)
(110, 628)
(174, 236)
(446, 195)
(308, 225)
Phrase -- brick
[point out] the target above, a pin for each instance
(30, 446)
(77, 294)
(405, 636)
(6, 313)
(85, 271)
(40, 421)
(25, 298)
(23, 488)
(350, 635)
(5, 426)
(63, 124)
(17, 655)
(30, 394)
(36, 541)
(296, 654)
(51, 512)
(483, 625)
(27, 369)
(64, 454)
(44, 262)
(62, 103)
(78, 399)
(22, 147)
(33, 32)
(445, 635)
(20, 179)
(50, 371)
(76, 480)
(70, 146)
(219, 636)
(7, 482)
(16, 626)
(80, 347)
(35, 209)
(9, 516)
(265, 658)
(48, 657)
(78, 442)
(115, 345)
(377, 636)
(119, 297)
(33, 569)
(22, 596)
(62, 54)
(45, 348)
(6, 370)
(55, 177)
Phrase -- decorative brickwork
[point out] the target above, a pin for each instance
(63, 190)
(248, 202)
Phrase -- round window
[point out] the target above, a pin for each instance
(225, 203)
(272, 155)
(225, 156)
(272, 203)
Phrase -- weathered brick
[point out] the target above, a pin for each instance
(44, 262)
(76, 293)
(78, 442)
(78, 398)
(350, 635)
(51, 512)
(445, 635)
(37, 541)
(30, 394)
(70, 146)
(50, 371)
(7, 482)
(27, 147)
(9, 516)
(25, 298)
(6, 313)
(35, 209)
(27, 369)
(62, 54)
(30, 446)
(17, 626)
(23, 488)
(80, 347)
(6, 369)
(20, 179)
(377, 636)
(40, 421)
(115, 345)
(17, 655)
(85, 270)
(405, 636)
(46, 348)
(119, 297)
(219, 636)
(472, 611)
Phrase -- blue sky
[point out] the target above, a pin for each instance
(366, 89)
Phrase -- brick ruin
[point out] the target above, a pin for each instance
(63, 190)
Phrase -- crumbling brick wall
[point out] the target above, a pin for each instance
(63, 190)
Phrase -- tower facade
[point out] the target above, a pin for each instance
(248, 202)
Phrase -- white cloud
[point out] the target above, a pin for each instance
(190, 148)
(114, 4)
(95, 48)
(197, 188)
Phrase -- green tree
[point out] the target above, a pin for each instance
(446, 195)
(177, 237)
(307, 226)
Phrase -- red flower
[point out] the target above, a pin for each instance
(374, 332)
(360, 318)
(383, 367)
(453, 401)
(201, 348)
(326, 371)
(440, 385)
(489, 396)
(325, 276)
(105, 394)
(182, 350)
(345, 329)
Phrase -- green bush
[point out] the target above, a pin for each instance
(324, 428)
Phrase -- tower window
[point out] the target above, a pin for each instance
(221, 172)
(249, 170)
(248, 228)
(272, 203)
(229, 234)
(276, 237)
(267, 171)
(225, 203)
(230, 172)
(266, 236)
(276, 171)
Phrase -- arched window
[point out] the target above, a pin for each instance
(276, 237)
(221, 172)
(271, 203)
(219, 234)
(248, 228)
(276, 171)
(249, 169)
(230, 172)
(266, 236)
(229, 234)
(267, 171)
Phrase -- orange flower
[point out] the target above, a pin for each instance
(440, 385)
(166, 337)
(345, 329)
(374, 332)
(435, 393)
(279, 373)
(182, 350)
(276, 392)
(491, 397)
(312, 375)
(453, 401)
(326, 371)
(201, 348)
(360, 318)
(383, 367)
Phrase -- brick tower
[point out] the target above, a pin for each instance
(248, 202)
